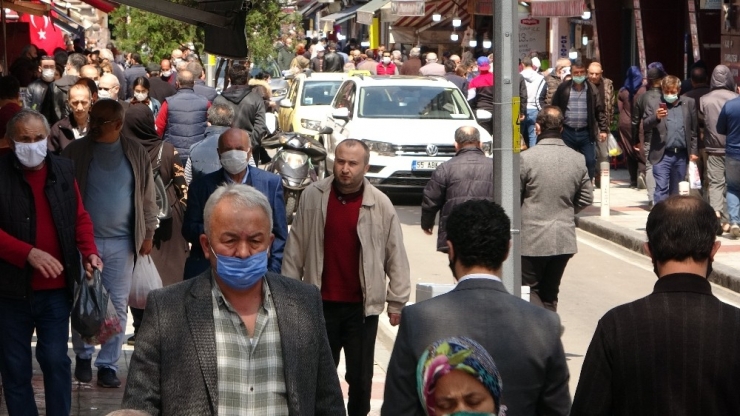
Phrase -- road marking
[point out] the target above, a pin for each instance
(638, 260)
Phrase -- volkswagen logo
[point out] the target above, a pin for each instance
(432, 149)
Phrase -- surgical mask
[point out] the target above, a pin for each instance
(47, 74)
(670, 98)
(238, 273)
(31, 154)
(166, 74)
(141, 96)
(234, 161)
(104, 95)
(176, 61)
(386, 60)
(579, 79)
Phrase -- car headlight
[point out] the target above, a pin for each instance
(487, 148)
(311, 124)
(382, 148)
(279, 92)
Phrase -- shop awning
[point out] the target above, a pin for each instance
(559, 8)
(340, 16)
(310, 8)
(446, 9)
(36, 9)
(366, 13)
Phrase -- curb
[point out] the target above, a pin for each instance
(723, 275)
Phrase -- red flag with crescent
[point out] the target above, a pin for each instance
(43, 33)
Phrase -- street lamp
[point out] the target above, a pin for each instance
(473, 43)
(454, 37)
(586, 14)
(487, 43)
(573, 54)
(456, 22)
(436, 17)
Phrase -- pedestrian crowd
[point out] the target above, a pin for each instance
(103, 171)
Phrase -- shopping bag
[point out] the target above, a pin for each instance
(110, 327)
(694, 177)
(146, 278)
(613, 146)
(88, 308)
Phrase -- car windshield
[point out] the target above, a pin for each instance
(268, 66)
(319, 92)
(414, 102)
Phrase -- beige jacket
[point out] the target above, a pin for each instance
(383, 253)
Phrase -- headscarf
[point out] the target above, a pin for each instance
(457, 353)
(633, 81)
(138, 125)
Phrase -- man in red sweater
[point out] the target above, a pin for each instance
(346, 239)
(386, 66)
(44, 230)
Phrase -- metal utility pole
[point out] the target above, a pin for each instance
(505, 142)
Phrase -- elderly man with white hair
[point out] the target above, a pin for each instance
(432, 68)
(413, 64)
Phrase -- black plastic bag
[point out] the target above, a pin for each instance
(90, 306)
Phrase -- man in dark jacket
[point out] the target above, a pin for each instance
(333, 62)
(234, 152)
(460, 82)
(585, 120)
(677, 347)
(655, 75)
(200, 87)
(39, 264)
(74, 126)
(285, 53)
(249, 108)
(204, 154)
(413, 64)
(75, 62)
(159, 89)
(135, 70)
(710, 106)
(182, 118)
(36, 95)
(468, 175)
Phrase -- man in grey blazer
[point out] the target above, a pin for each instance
(523, 339)
(236, 339)
(549, 205)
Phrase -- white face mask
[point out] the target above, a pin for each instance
(234, 161)
(166, 74)
(31, 154)
(386, 60)
(104, 95)
(47, 74)
(141, 96)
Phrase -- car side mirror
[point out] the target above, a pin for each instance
(326, 130)
(483, 115)
(285, 103)
(341, 113)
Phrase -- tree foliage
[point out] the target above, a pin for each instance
(264, 23)
(152, 35)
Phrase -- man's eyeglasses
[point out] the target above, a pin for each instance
(106, 88)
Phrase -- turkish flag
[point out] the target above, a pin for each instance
(43, 33)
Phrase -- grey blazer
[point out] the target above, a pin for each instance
(554, 187)
(523, 339)
(174, 370)
(656, 131)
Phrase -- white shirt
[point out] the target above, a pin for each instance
(479, 276)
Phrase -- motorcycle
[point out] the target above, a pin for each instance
(299, 162)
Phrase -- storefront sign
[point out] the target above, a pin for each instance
(563, 52)
(532, 36)
(365, 18)
(407, 7)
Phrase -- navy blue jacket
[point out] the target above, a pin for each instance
(186, 120)
(268, 183)
(200, 88)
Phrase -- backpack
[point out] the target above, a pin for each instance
(164, 210)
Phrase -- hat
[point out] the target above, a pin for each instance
(536, 62)
(655, 73)
(319, 48)
(483, 64)
(153, 67)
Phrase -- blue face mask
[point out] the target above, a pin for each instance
(241, 274)
(579, 79)
(670, 98)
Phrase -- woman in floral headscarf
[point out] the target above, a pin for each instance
(457, 376)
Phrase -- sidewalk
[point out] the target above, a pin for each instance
(626, 226)
(90, 400)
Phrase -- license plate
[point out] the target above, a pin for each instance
(424, 165)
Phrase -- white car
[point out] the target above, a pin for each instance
(408, 123)
(309, 98)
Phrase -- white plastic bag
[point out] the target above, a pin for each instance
(146, 278)
(694, 177)
(613, 146)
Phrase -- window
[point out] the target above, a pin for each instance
(319, 92)
(345, 97)
(413, 102)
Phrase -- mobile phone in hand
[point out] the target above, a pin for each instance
(664, 106)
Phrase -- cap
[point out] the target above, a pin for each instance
(536, 62)
(655, 73)
(483, 63)
(153, 67)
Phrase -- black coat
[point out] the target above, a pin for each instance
(674, 352)
(160, 89)
(468, 175)
(249, 110)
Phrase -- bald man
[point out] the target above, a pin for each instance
(90, 71)
(432, 68)
(468, 175)
(182, 119)
(234, 150)
(605, 87)
(108, 89)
